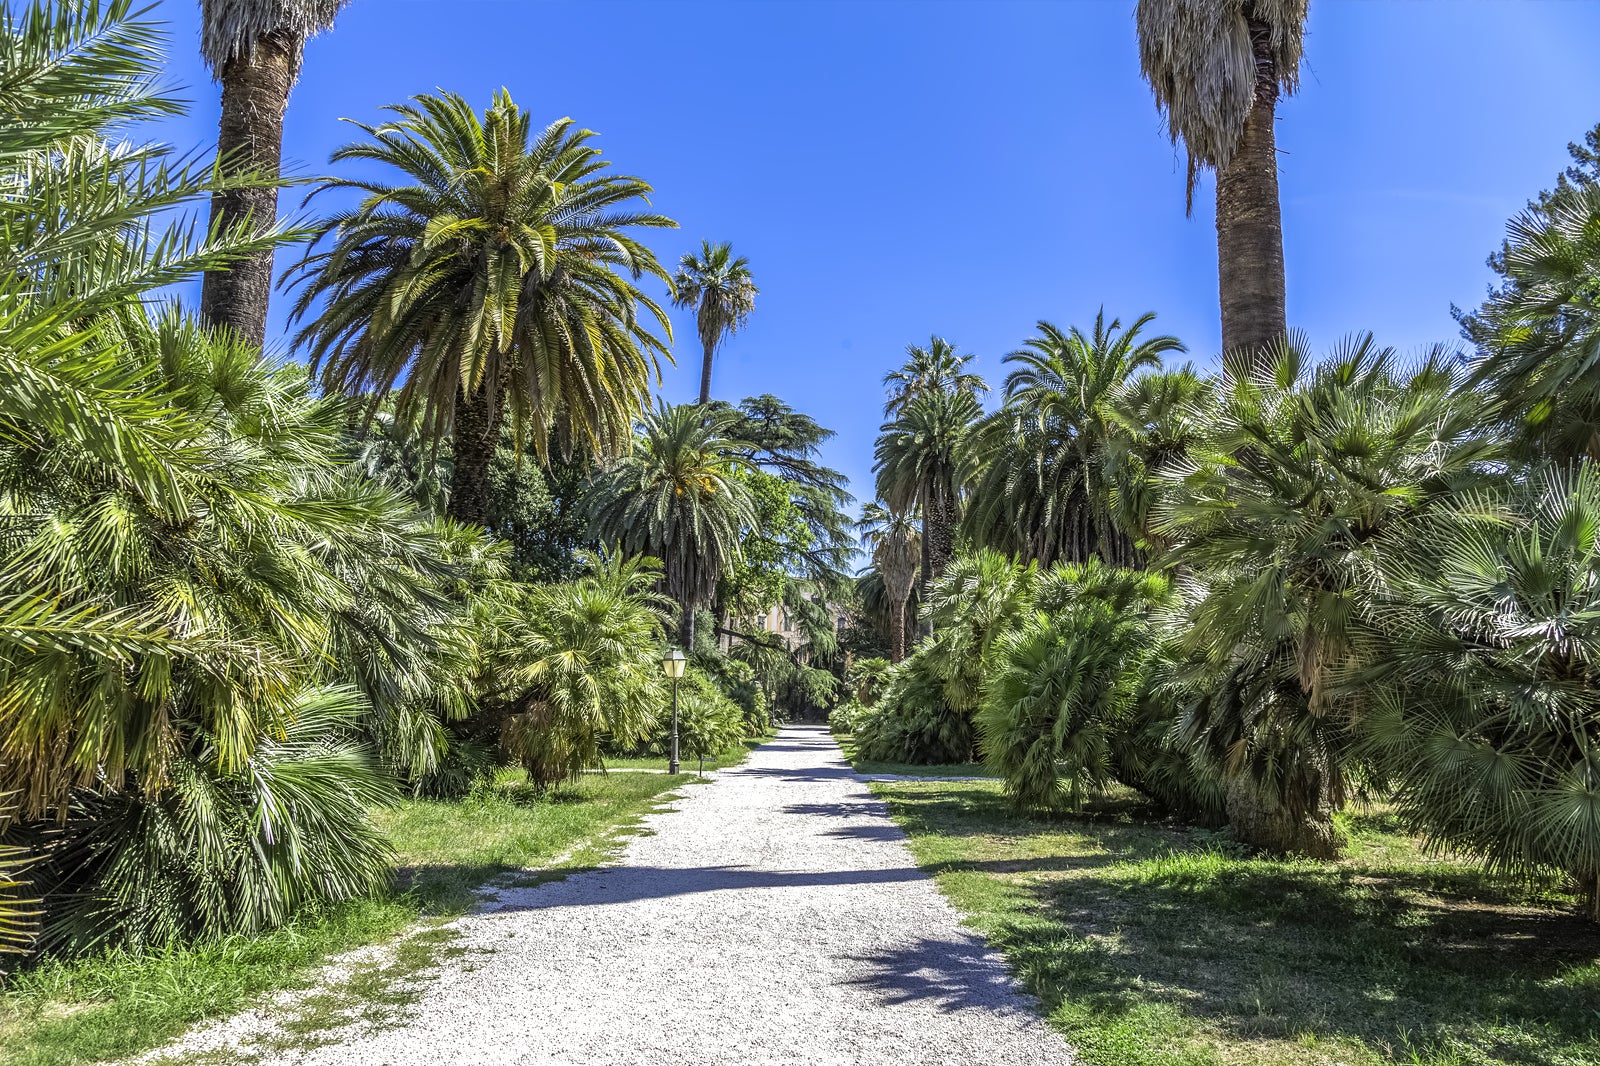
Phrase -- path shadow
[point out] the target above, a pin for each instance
(606, 886)
(953, 974)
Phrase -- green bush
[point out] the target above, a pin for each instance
(1061, 686)
(912, 723)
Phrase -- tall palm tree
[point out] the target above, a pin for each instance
(1217, 68)
(1055, 460)
(678, 497)
(919, 461)
(896, 547)
(497, 276)
(253, 48)
(936, 368)
(720, 289)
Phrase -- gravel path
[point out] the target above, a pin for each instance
(772, 916)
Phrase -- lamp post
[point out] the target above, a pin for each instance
(672, 664)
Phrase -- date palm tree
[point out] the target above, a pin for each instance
(1058, 462)
(719, 287)
(496, 276)
(896, 546)
(679, 497)
(253, 48)
(1217, 68)
(919, 462)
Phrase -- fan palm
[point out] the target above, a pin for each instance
(936, 368)
(1541, 334)
(497, 275)
(896, 548)
(1488, 721)
(722, 292)
(678, 497)
(1297, 478)
(1217, 68)
(579, 663)
(919, 461)
(1058, 465)
(253, 48)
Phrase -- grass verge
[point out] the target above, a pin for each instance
(1152, 945)
(119, 1004)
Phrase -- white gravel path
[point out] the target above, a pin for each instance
(774, 915)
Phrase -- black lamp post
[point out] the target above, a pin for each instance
(672, 664)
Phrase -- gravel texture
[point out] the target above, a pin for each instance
(774, 915)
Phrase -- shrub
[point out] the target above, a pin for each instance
(1063, 684)
(912, 723)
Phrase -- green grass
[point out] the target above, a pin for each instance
(1148, 944)
(120, 1004)
(688, 761)
(866, 766)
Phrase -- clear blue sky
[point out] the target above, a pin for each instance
(895, 169)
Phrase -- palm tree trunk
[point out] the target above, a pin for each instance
(705, 373)
(897, 631)
(255, 92)
(477, 432)
(938, 535)
(1249, 223)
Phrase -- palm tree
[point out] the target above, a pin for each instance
(720, 289)
(487, 281)
(678, 497)
(1056, 463)
(936, 368)
(1217, 67)
(919, 460)
(253, 48)
(896, 547)
(1299, 479)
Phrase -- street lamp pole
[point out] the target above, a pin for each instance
(672, 664)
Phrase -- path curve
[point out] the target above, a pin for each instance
(774, 915)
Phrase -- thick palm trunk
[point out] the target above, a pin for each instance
(255, 92)
(1268, 823)
(477, 431)
(1249, 224)
(705, 374)
(938, 538)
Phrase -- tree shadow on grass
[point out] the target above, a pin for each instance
(1271, 951)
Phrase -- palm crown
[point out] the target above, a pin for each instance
(500, 275)
(718, 285)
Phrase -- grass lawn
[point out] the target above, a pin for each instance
(1153, 945)
(120, 1004)
(689, 761)
(865, 766)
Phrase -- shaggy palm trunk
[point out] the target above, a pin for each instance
(938, 536)
(477, 431)
(1249, 225)
(255, 92)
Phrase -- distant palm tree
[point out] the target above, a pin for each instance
(896, 547)
(495, 279)
(253, 48)
(919, 460)
(936, 368)
(679, 497)
(720, 289)
(1217, 67)
(1056, 458)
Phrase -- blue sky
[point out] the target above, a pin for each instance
(895, 169)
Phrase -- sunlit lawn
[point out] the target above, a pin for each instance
(1148, 944)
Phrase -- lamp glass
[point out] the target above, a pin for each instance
(674, 662)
